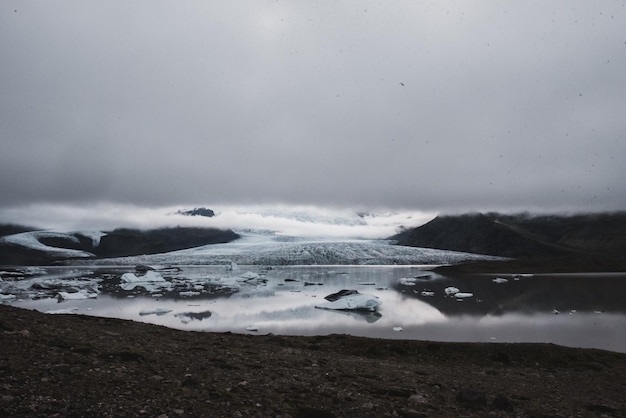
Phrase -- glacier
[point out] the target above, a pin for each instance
(267, 248)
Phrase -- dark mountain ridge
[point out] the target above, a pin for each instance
(117, 243)
(597, 236)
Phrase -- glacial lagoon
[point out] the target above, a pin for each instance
(576, 310)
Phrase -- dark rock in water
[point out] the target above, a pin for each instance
(342, 293)
(194, 315)
(141, 268)
(197, 212)
(313, 284)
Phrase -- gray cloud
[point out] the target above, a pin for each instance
(435, 106)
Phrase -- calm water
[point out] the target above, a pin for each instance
(579, 310)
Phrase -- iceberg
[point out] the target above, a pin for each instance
(157, 311)
(66, 311)
(151, 281)
(80, 295)
(5, 297)
(451, 290)
(350, 300)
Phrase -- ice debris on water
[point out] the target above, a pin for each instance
(157, 311)
(189, 293)
(463, 295)
(451, 290)
(398, 329)
(408, 281)
(500, 280)
(80, 295)
(151, 281)
(350, 300)
(66, 311)
(251, 328)
(428, 293)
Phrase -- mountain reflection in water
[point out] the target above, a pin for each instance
(281, 300)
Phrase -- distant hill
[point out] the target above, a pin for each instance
(28, 247)
(524, 236)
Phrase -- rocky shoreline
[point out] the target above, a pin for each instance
(73, 365)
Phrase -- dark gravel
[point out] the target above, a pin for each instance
(80, 366)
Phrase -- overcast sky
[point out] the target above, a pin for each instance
(432, 105)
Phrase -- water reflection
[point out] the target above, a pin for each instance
(282, 300)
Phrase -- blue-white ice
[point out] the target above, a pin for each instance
(258, 248)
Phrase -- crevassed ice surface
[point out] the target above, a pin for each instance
(269, 249)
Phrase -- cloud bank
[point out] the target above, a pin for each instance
(435, 106)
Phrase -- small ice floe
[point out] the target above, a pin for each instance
(398, 329)
(151, 281)
(232, 266)
(80, 295)
(251, 328)
(350, 300)
(157, 311)
(66, 311)
(248, 275)
(6, 298)
(500, 280)
(463, 295)
(451, 290)
(572, 312)
(408, 281)
(189, 293)
(555, 311)
(427, 293)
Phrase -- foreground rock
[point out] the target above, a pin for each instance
(72, 365)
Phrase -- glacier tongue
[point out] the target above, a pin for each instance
(269, 249)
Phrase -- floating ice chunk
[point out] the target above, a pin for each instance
(408, 281)
(63, 311)
(6, 298)
(233, 266)
(189, 293)
(451, 290)
(80, 295)
(500, 280)
(463, 295)
(428, 293)
(251, 328)
(151, 281)
(398, 329)
(157, 311)
(248, 275)
(350, 300)
(555, 311)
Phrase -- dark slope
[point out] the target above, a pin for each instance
(595, 240)
(118, 243)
